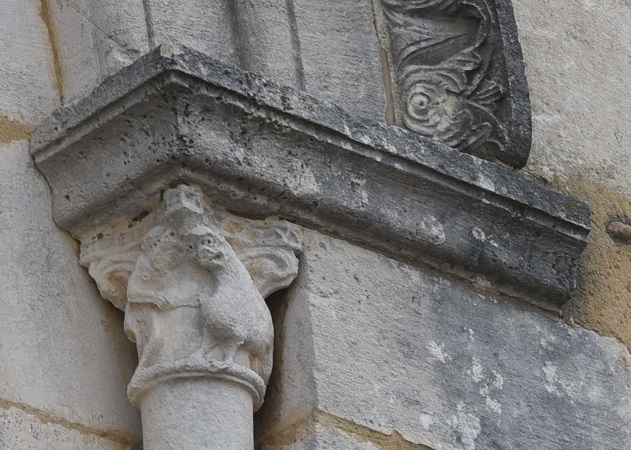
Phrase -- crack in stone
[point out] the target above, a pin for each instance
(386, 71)
(47, 18)
(129, 51)
(124, 439)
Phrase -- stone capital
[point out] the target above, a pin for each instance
(192, 280)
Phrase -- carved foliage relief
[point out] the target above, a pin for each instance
(192, 281)
(458, 76)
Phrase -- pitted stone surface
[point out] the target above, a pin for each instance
(578, 75)
(264, 149)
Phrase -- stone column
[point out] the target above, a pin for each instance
(196, 311)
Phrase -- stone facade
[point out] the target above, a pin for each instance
(299, 225)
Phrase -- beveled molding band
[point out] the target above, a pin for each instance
(262, 150)
(144, 381)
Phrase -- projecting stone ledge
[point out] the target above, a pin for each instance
(257, 149)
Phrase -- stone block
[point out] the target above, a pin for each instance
(24, 430)
(93, 39)
(63, 349)
(578, 70)
(120, 32)
(28, 80)
(207, 26)
(400, 349)
(340, 55)
(172, 117)
(72, 40)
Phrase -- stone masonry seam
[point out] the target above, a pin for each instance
(126, 440)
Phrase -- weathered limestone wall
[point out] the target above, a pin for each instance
(578, 65)
(65, 361)
(370, 353)
(408, 357)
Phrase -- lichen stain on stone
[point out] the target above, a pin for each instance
(602, 301)
(11, 130)
(53, 39)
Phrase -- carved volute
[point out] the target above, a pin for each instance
(192, 284)
(458, 76)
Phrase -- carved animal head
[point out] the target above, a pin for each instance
(211, 249)
(162, 248)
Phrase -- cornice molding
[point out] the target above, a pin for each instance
(260, 150)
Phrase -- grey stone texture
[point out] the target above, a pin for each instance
(65, 360)
(258, 148)
(63, 350)
(27, 73)
(119, 31)
(458, 75)
(339, 55)
(74, 42)
(412, 352)
(578, 69)
(207, 26)
(22, 430)
(322, 47)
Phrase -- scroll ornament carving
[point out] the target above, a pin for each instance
(447, 67)
(192, 285)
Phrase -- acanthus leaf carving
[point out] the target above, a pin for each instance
(449, 64)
